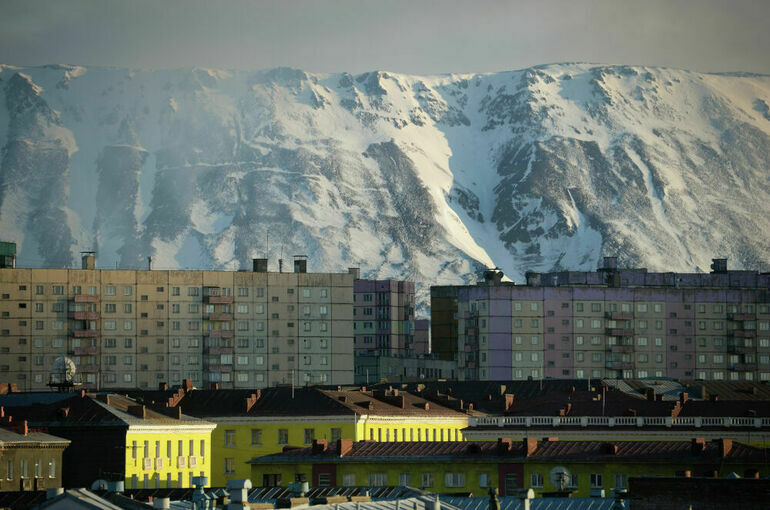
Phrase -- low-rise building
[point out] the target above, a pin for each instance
(378, 368)
(251, 424)
(30, 460)
(115, 438)
(582, 468)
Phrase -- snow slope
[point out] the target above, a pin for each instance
(429, 178)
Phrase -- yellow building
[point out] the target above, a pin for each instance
(115, 438)
(253, 424)
(579, 467)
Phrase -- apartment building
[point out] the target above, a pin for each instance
(138, 328)
(610, 323)
(384, 317)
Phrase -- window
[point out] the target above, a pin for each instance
(283, 436)
(229, 465)
(596, 480)
(256, 437)
(336, 434)
(229, 437)
(309, 436)
(348, 479)
(621, 481)
(536, 480)
(378, 479)
(427, 480)
(454, 479)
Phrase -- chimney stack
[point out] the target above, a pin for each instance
(530, 445)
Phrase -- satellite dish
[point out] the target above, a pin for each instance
(560, 477)
(99, 485)
(63, 371)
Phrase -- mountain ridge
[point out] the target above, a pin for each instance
(423, 177)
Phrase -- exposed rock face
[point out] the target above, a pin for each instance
(428, 178)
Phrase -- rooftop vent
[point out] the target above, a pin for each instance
(718, 265)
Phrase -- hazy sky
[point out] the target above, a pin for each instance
(408, 36)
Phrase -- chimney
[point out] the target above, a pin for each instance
(319, 446)
(215, 386)
(363, 389)
(88, 260)
(342, 398)
(149, 263)
(259, 265)
(251, 400)
(187, 385)
(698, 446)
(725, 445)
(356, 272)
(344, 446)
(504, 445)
(609, 448)
(649, 393)
(63, 412)
(82, 393)
(162, 386)
(508, 401)
(427, 406)
(530, 445)
(714, 398)
(683, 397)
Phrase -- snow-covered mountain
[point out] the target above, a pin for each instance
(422, 177)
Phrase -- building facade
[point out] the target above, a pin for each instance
(611, 323)
(137, 328)
(384, 317)
(585, 468)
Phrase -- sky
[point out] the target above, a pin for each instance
(405, 36)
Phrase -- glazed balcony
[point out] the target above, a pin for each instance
(619, 365)
(85, 351)
(85, 333)
(741, 317)
(622, 348)
(619, 332)
(220, 333)
(218, 300)
(218, 350)
(88, 369)
(84, 316)
(740, 333)
(220, 317)
(619, 316)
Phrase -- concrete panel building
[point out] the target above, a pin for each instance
(138, 328)
(384, 317)
(613, 323)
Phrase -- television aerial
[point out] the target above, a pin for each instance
(560, 477)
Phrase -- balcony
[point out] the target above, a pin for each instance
(85, 333)
(218, 300)
(618, 332)
(220, 333)
(619, 365)
(470, 364)
(471, 331)
(218, 350)
(84, 316)
(85, 351)
(741, 317)
(619, 316)
(741, 333)
(622, 348)
(88, 369)
(469, 348)
(744, 367)
(220, 317)
(85, 298)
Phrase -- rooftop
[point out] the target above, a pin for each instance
(723, 450)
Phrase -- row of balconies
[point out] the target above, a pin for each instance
(160, 463)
